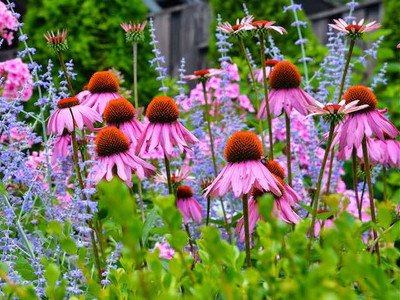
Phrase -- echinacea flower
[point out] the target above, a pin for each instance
(164, 131)
(188, 205)
(384, 152)
(266, 26)
(103, 86)
(57, 41)
(61, 145)
(282, 205)
(268, 65)
(116, 154)
(179, 175)
(121, 114)
(134, 32)
(334, 112)
(203, 74)
(69, 114)
(244, 169)
(286, 93)
(364, 122)
(354, 30)
(240, 28)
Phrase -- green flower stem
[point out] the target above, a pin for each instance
(355, 181)
(371, 195)
(246, 228)
(269, 118)
(135, 90)
(190, 240)
(82, 186)
(188, 269)
(328, 182)
(318, 190)
(384, 179)
(62, 63)
(254, 83)
(100, 237)
(214, 159)
(345, 70)
(208, 210)
(288, 149)
(168, 170)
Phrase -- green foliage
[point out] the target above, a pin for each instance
(96, 40)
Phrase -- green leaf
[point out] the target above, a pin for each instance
(150, 218)
(68, 245)
(24, 268)
(54, 228)
(51, 274)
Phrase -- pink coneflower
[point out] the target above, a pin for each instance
(203, 74)
(365, 122)
(334, 112)
(385, 152)
(121, 114)
(286, 93)
(57, 41)
(116, 154)
(244, 169)
(188, 205)
(103, 86)
(240, 27)
(164, 130)
(267, 26)
(177, 176)
(354, 30)
(282, 205)
(70, 113)
(61, 146)
(269, 65)
(134, 32)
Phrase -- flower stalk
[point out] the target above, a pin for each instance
(265, 82)
(288, 149)
(371, 195)
(81, 186)
(318, 189)
(384, 179)
(254, 84)
(246, 228)
(64, 68)
(355, 181)
(214, 159)
(168, 171)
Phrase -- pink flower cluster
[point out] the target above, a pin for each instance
(8, 23)
(15, 80)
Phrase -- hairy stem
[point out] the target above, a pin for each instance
(269, 118)
(214, 159)
(318, 190)
(288, 149)
(328, 182)
(190, 240)
(384, 179)
(254, 83)
(168, 170)
(371, 195)
(246, 228)
(64, 68)
(208, 210)
(82, 187)
(355, 182)
(346, 68)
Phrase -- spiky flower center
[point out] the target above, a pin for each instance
(354, 28)
(335, 107)
(243, 146)
(119, 111)
(363, 94)
(103, 82)
(111, 141)
(260, 23)
(285, 75)
(270, 62)
(162, 109)
(275, 168)
(68, 102)
(201, 72)
(236, 26)
(184, 192)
